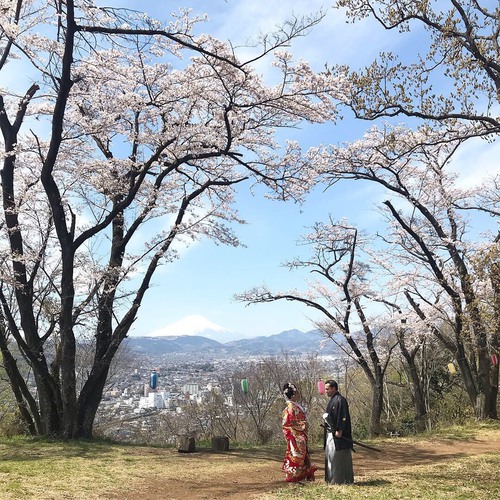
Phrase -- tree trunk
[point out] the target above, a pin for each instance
(377, 407)
(418, 397)
(25, 402)
(88, 404)
(492, 411)
(485, 399)
(417, 388)
(50, 414)
(68, 348)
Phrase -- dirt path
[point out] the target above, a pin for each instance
(259, 471)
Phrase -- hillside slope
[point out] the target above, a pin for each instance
(408, 468)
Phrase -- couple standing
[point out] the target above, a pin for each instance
(338, 445)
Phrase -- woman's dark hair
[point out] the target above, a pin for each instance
(289, 390)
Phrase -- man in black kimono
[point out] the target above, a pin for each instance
(338, 451)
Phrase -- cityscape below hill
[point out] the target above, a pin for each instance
(159, 375)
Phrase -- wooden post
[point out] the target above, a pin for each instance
(186, 444)
(220, 443)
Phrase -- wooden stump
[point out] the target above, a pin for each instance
(186, 444)
(220, 443)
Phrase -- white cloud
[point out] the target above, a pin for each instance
(476, 160)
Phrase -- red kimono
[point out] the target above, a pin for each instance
(297, 464)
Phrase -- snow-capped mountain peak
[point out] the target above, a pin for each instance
(190, 325)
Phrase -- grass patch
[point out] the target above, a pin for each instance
(469, 477)
(467, 431)
(43, 469)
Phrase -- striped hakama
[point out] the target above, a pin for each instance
(338, 463)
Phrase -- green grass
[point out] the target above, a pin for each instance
(43, 469)
(470, 477)
(46, 469)
(465, 478)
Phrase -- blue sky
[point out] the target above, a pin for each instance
(203, 281)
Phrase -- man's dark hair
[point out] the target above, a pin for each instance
(332, 383)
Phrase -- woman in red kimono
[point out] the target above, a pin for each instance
(297, 464)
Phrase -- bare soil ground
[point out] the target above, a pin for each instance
(208, 475)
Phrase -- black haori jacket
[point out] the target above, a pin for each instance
(339, 418)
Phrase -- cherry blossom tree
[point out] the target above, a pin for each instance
(414, 349)
(431, 251)
(450, 96)
(345, 296)
(457, 78)
(128, 141)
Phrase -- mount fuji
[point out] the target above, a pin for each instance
(196, 325)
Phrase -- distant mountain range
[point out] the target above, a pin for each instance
(289, 341)
(196, 325)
